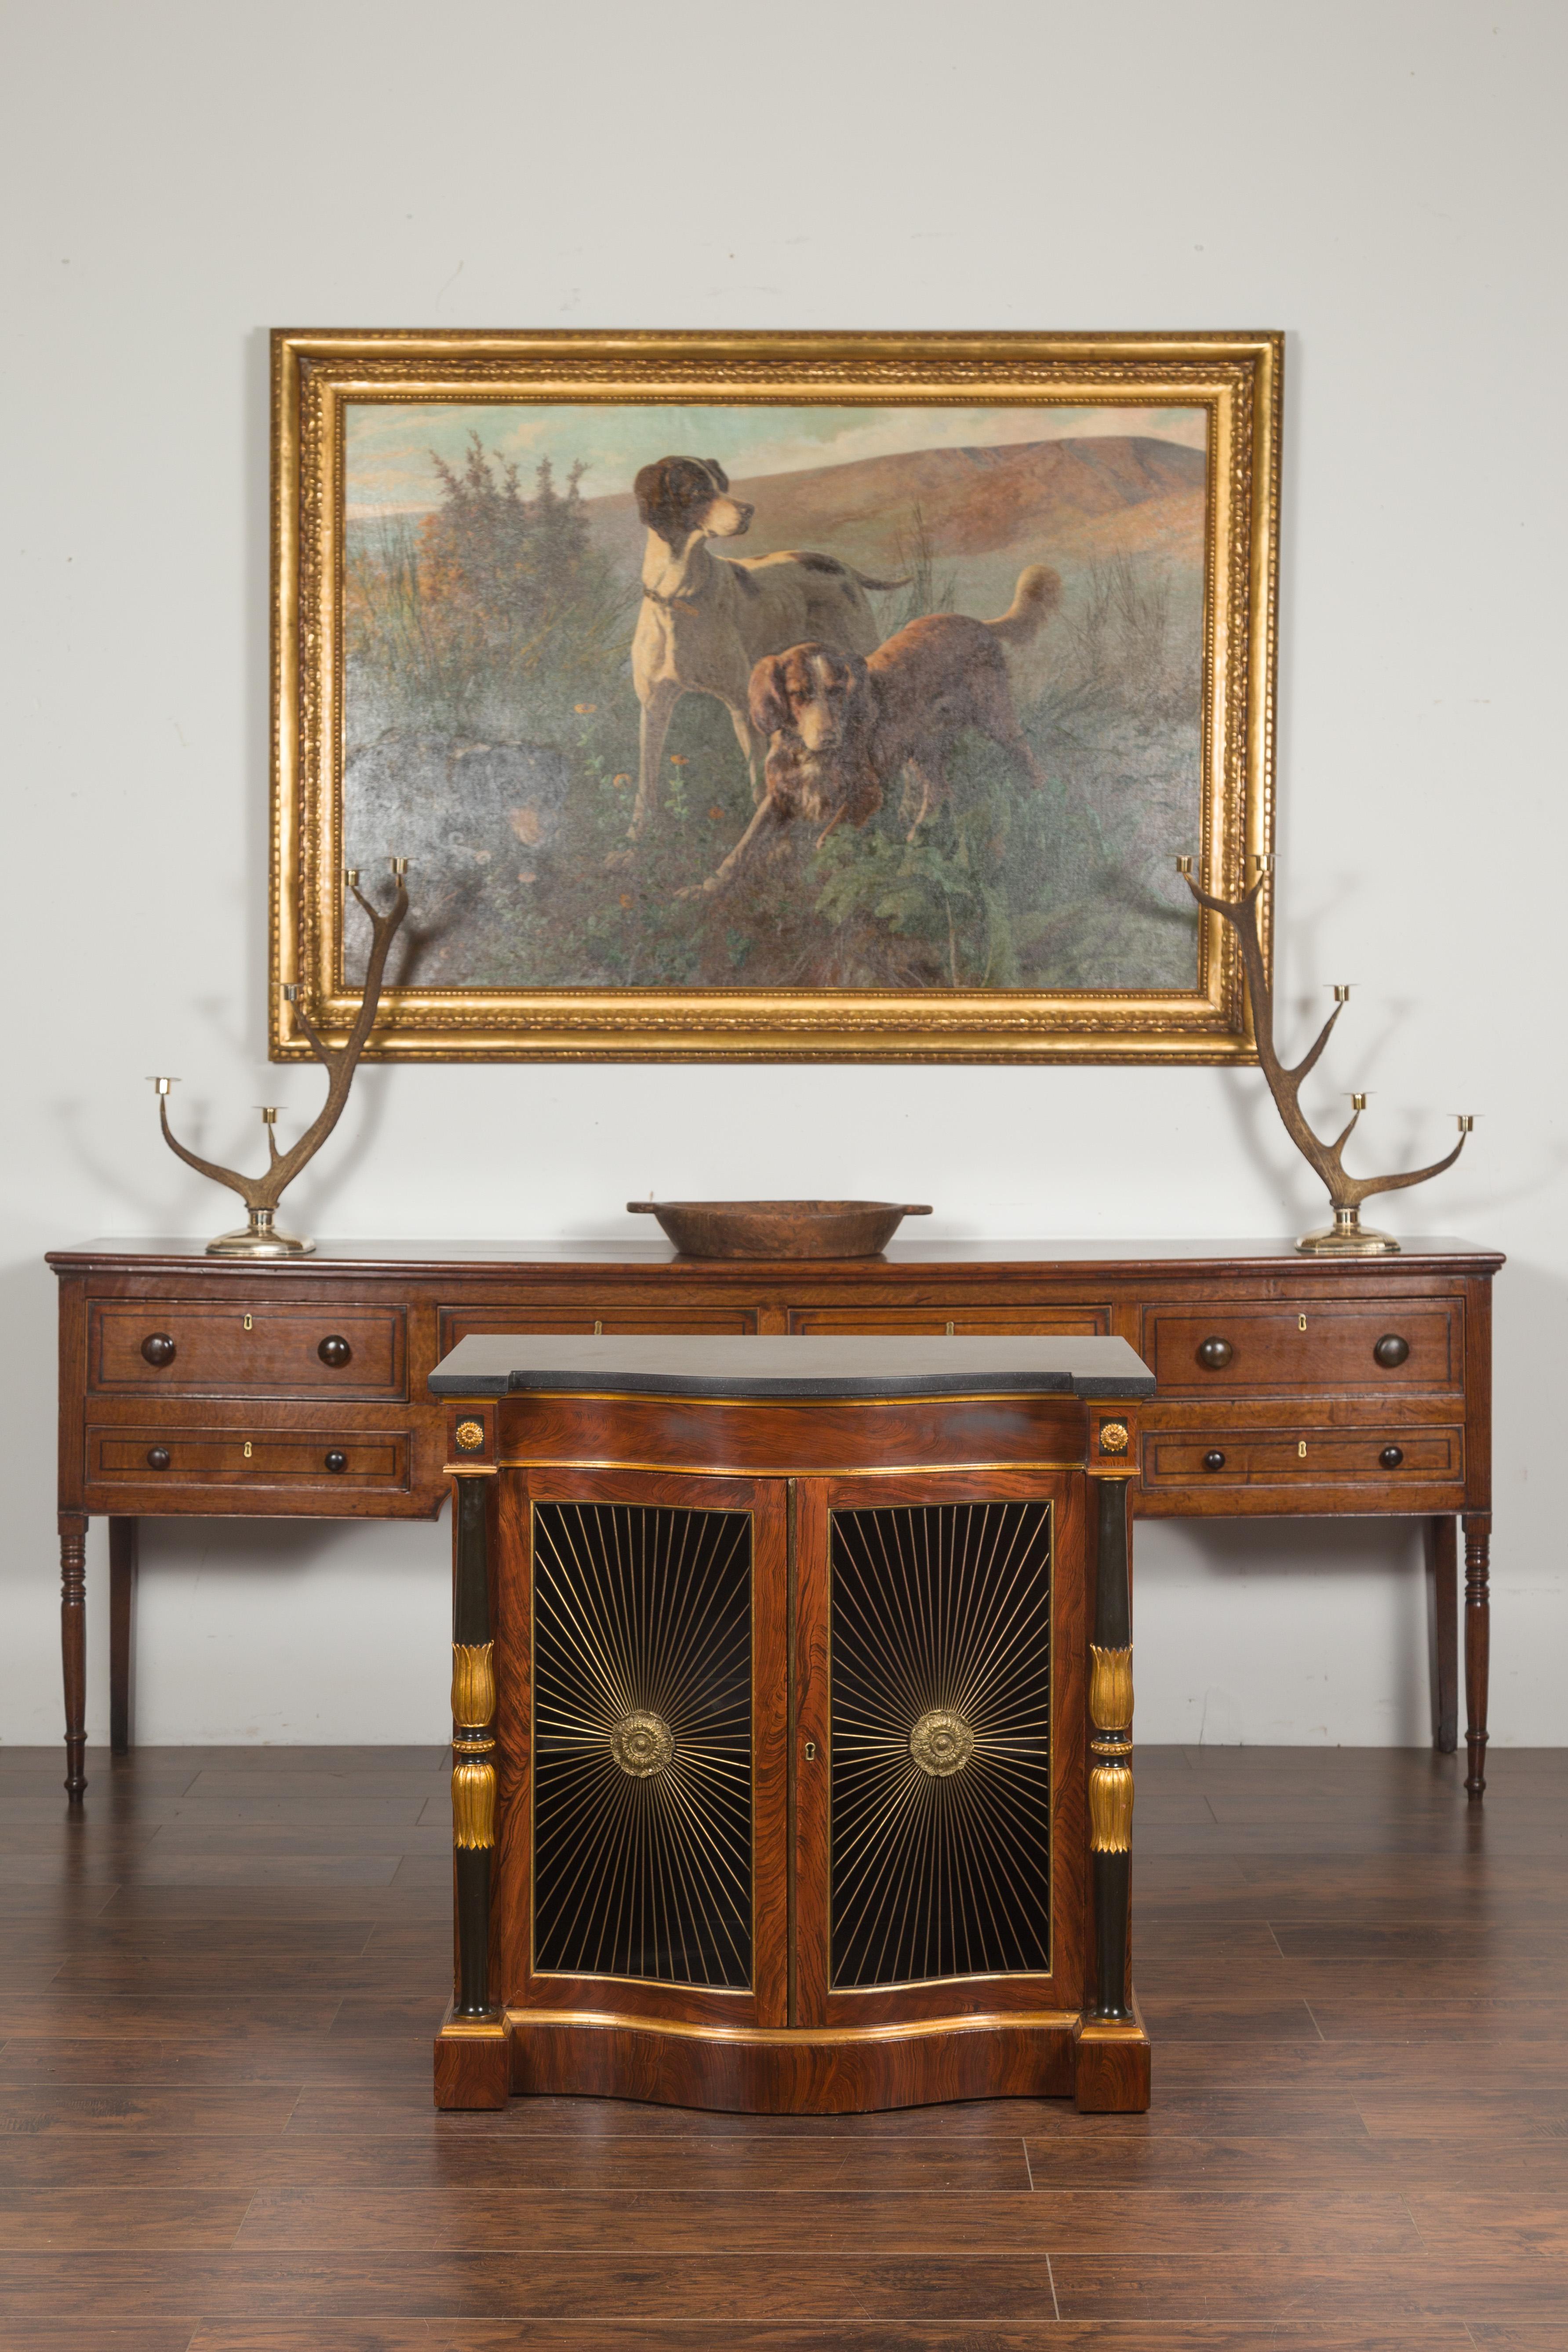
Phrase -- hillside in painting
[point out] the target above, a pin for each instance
(1071, 502)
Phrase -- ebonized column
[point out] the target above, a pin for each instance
(1110, 1747)
(473, 1742)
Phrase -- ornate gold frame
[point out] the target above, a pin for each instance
(1236, 376)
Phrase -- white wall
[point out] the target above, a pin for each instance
(1384, 181)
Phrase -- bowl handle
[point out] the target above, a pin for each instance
(643, 1208)
(911, 1209)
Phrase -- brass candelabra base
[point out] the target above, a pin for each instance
(259, 1237)
(1348, 1237)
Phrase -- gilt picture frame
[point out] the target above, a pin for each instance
(773, 697)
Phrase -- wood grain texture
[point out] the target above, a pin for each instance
(472, 2071)
(980, 2058)
(784, 1440)
(267, 2174)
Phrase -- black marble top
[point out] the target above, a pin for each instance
(793, 1367)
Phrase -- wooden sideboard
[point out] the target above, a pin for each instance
(1287, 1385)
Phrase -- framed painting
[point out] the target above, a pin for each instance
(774, 697)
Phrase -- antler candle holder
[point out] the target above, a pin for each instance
(1347, 1236)
(260, 1236)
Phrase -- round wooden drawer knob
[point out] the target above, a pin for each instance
(1214, 1355)
(157, 1458)
(157, 1347)
(336, 1461)
(1391, 1350)
(1213, 1459)
(335, 1351)
(1392, 1456)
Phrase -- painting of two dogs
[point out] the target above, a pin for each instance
(881, 698)
(827, 718)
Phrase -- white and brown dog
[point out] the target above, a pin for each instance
(707, 620)
(842, 729)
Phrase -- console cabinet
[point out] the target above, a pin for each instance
(792, 1697)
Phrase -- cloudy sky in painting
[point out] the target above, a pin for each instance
(388, 443)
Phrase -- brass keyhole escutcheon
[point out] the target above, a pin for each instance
(247, 1449)
(948, 1330)
(1301, 1449)
(811, 1751)
(1300, 1322)
(642, 1743)
(249, 1323)
(942, 1742)
(599, 1329)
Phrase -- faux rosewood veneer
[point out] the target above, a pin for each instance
(792, 1697)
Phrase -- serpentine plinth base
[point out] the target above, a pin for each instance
(601, 2055)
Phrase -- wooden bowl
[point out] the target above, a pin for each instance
(779, 1228)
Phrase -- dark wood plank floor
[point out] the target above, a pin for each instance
(216, 1996)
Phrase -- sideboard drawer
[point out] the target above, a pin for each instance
(980, 1322)
(1317, 1344)
(188, 1347)
(699, 1323)
(1297, 1457)
(183, 1459)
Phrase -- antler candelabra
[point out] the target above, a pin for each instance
(260, 1236)
(1347, 1236)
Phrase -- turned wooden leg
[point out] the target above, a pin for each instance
(121, 1606)
(73, 1647)
(1477, 1643)
(1443, 1558)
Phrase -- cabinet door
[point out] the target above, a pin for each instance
(938, 1746)
(642, 1694)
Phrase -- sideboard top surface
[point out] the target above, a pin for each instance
(504, 1365)
(1423, 1254)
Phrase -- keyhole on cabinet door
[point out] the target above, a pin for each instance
(247, 1323)
(811, 1751)
(247, 1449)
(1301, 1449)
(948, 1329)
(598, 1330)
(1301, 1322)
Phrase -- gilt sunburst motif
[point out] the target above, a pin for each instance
(642, 1741)
(940, 1749)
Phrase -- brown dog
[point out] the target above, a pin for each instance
(841, 729)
